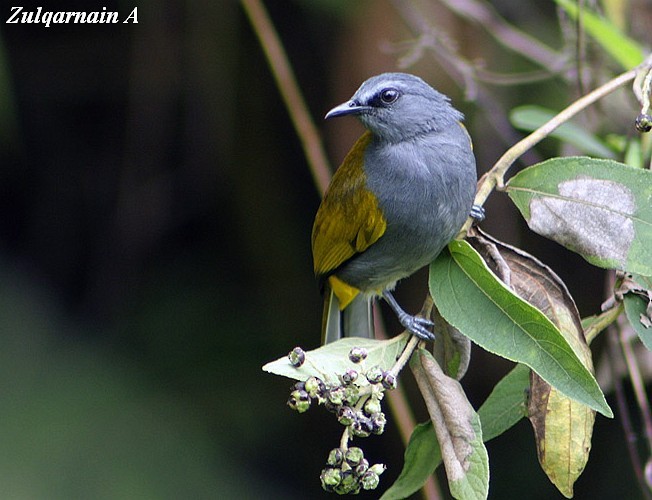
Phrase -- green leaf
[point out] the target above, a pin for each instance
(623, 49)
(471, 298)
(531, 117)
(502, 409)
(331, 360)
(638, 308)
(505, 406)
(422, 457)
(600, 209)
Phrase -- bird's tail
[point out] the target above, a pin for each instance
(356, 320)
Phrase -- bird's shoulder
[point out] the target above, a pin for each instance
(349, 219)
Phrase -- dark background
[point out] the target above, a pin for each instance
(156, 210)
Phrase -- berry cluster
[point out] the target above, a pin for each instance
(355, 400)
(349, 472)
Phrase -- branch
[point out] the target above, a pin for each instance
(289, 89)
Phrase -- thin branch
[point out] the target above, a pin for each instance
(289, 89)
(483, 14)
(495, 178)
(623, 411)
(637, 380)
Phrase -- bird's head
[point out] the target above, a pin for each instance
(398, 107)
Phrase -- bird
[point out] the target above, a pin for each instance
(399, 197)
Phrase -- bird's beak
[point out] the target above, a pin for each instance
(348, 108)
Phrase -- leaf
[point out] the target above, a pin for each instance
(531, 117)
(563, 429)
(457, 427)
(562, 426)
(618, 45)
(600, 209)
(331, 360)
(506, 325)
(638, 308)
(501, 410)
(452, 349)
(505, 406)
(422, 457)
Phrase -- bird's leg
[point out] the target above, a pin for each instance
(477, 213)
(414, 324)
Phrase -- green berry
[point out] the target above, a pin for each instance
(297, 356)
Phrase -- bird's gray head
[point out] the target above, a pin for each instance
(398, 106)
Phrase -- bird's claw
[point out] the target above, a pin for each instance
(477, 213)
(418, 326)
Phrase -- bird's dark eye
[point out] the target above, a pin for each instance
(388, 96)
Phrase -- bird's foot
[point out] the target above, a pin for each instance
(416, 325)
(421, 327)
(477, 213)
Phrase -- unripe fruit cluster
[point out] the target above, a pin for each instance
(355, 400)
(348, 472)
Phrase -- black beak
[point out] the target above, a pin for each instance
(347, 108)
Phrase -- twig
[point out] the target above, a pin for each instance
(637, 380)
(623, 411)
(289, 89)
(495, 177)
(507, 35)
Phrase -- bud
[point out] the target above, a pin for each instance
(349, 483)
(357, 354)
(378, 468)
(362, 426)
(314, 386)
(370, 480)
(297, 356)
(374, 374)
(643, 122)
(362, 467)
(299, 401)
(351, 394)
(330, 477)
(337, 395)
(372, 406)
(349, 376)
(389, 380)
(353, 456)
(335, 457)
(345, 415)
(378, 422)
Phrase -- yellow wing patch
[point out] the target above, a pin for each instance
(349, 219)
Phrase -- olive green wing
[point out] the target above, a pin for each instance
(349, 219)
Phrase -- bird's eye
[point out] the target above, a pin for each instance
(388, 96)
